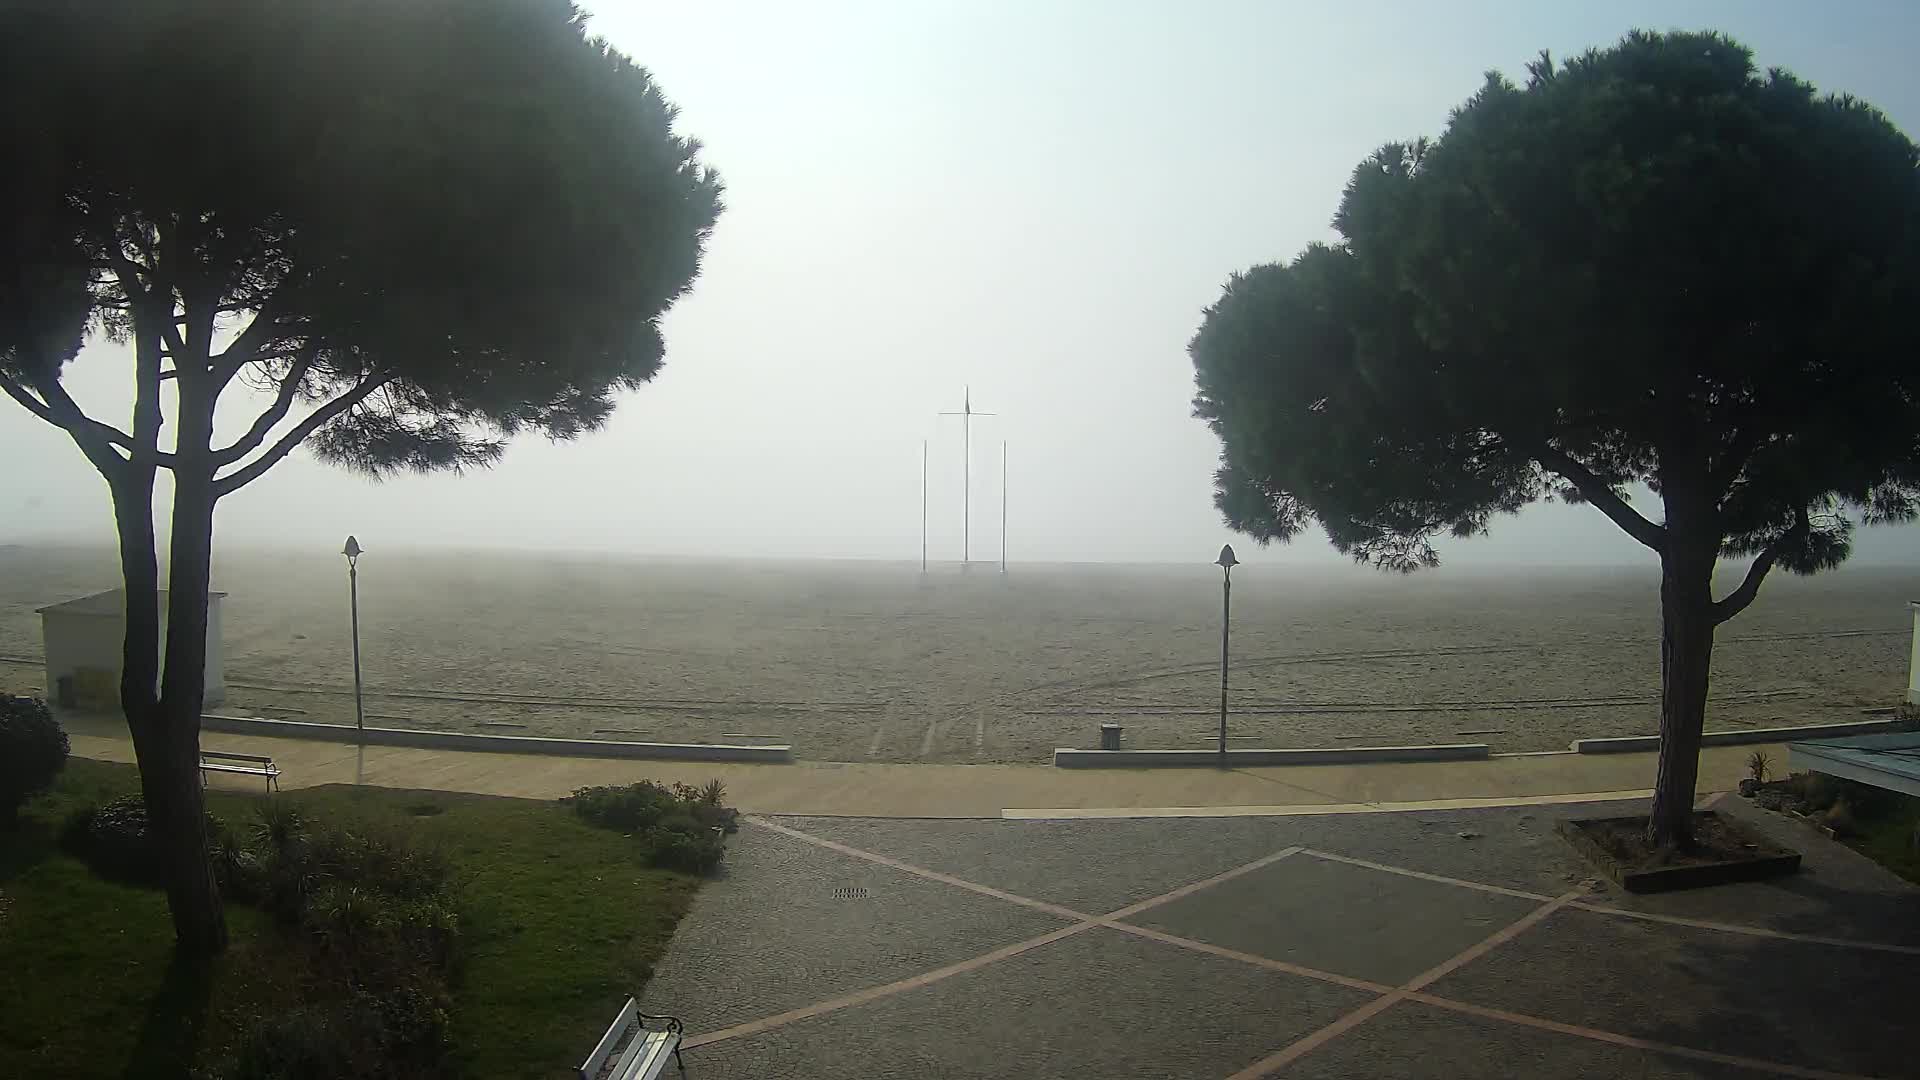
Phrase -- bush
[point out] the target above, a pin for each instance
(1841, 819)
(627, 809)
(378, 862)
(380, 926)
(707, 803)
(116, 840)
(304, 1044)
(694, 851)
(360, 924)
(680, 828)
(33, 750)
(291, 863)
(391, 1034)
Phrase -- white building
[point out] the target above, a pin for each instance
(84, 640)
(1913, 665)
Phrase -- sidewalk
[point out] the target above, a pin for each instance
(834, 789)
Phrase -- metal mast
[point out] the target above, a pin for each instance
(1003, 506)
(966, 415)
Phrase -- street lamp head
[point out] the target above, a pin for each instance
(352, 550)
(1226, 556)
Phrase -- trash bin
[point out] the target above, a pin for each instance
(1110, 736)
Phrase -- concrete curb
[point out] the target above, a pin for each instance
(1637, 743)
(508, 744)
(1067, 758)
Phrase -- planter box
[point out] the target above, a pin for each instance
(1729, 852)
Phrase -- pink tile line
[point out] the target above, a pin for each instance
(1389, 995)
(1083, 922)
(921, 871)
(1523, 1020)
(1624, 913)
(874, 993)
(1307, 1044)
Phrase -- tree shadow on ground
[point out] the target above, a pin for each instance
(170, 1034)
(24, 847)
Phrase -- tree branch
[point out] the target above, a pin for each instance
(240, 478)
(62, 411)
(264, 424)
(1601, 494)
(1736, 601)
(57, 408)
(1739, 451)
(243, 349)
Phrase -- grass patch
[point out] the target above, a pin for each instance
(1891, 836)
(1880, 824)
(559, 922)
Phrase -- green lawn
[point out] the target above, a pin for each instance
(560, 922)
(1887, 836)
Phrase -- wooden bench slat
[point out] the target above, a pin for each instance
(655, 1048)
(629, 1015)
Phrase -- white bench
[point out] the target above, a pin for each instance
(245, 764)
(630, 1050)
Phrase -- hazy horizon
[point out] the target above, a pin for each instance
(1033, 202)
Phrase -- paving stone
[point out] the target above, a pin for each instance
(1091, 866)
(1098, 1004)
(1810, 1005)
(1837, 893)
(1411, 1041)
(1339, 918)
(772, 935)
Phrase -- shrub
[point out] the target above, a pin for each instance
(1759, 764)
(297, 863)
(280, 828)
(237, 868)
(1818, 790)
(394, 1033)
(33, 750)
(694, 851)
(627, 809)
(1840, 818)
(680, 828)
(116, 839)
(304, 1044)
(706, 805)
(377, 861)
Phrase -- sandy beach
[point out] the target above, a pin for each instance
(858, 661)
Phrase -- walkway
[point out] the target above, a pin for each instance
(1317, 921)
(1423, 944)
(867, 790)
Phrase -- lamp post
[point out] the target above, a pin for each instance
(1226, 562)
(352, 552)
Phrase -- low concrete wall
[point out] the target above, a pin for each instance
(1628, 744)
(1065, 758)
(507, 744)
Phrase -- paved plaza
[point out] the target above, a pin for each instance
(1442, 944)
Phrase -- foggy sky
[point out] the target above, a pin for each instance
(1035, 200)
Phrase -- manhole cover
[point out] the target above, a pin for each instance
(850, 892)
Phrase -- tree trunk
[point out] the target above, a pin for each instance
(169, 767)
(179, 813)
(1686, 658)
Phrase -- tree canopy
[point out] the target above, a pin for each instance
(1652, 263)
(415, 228)
(434, 223)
